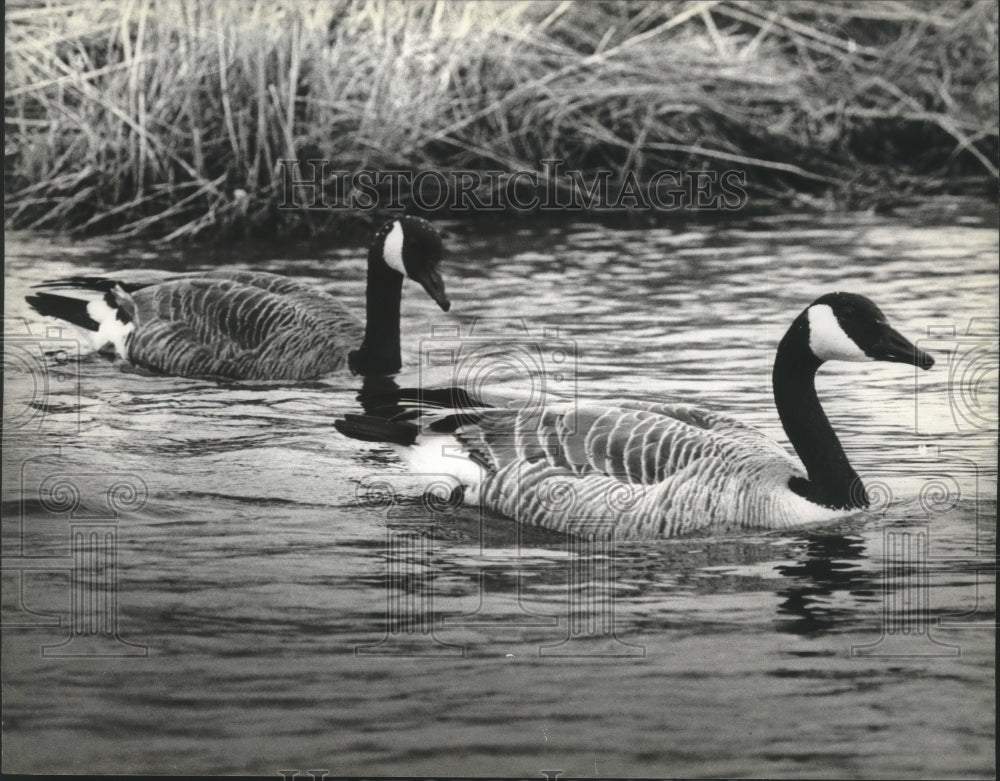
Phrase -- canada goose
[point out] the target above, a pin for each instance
(253, 325)
(651, 469)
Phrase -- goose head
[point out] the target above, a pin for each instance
(849, 327)
(411, 247)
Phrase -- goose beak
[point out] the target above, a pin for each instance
(894, 347)
(431, 281)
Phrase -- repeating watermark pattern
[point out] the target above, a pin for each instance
(411, 619)
(956, 484)
(590, 597)
(963, 402)
(944, 494)
(909, 619)
(969, 359)
(410, 616)
(41, 379)
(312, 184)
(87, 508)
(589, 520)
(543, 366)
(462, 367)
(982, 615)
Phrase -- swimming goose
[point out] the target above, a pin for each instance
(647, 469)
(252, 325)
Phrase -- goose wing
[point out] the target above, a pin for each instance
(639, 443)
(635, 469)
(267, 327)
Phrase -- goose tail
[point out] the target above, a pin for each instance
(107, 320)
(72, 310)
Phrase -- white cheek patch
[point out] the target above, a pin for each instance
(392, 248)
(827, 339)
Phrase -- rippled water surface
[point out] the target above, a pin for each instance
(273, 613)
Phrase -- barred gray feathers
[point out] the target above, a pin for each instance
(641, 469)
(244, 325)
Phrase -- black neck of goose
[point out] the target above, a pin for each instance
(379, 352)
(831, 482)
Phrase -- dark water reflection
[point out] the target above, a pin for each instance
(277, 602)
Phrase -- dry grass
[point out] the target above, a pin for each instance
(154, 116)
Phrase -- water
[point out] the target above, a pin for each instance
(251, 584)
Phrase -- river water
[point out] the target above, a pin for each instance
(207, 578)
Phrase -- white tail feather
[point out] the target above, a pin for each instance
(110, 329)
(437, 454)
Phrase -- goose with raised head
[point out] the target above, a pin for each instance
(252, 325)
(651, 469)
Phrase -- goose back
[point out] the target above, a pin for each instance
(644, 469)
(247, 325)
